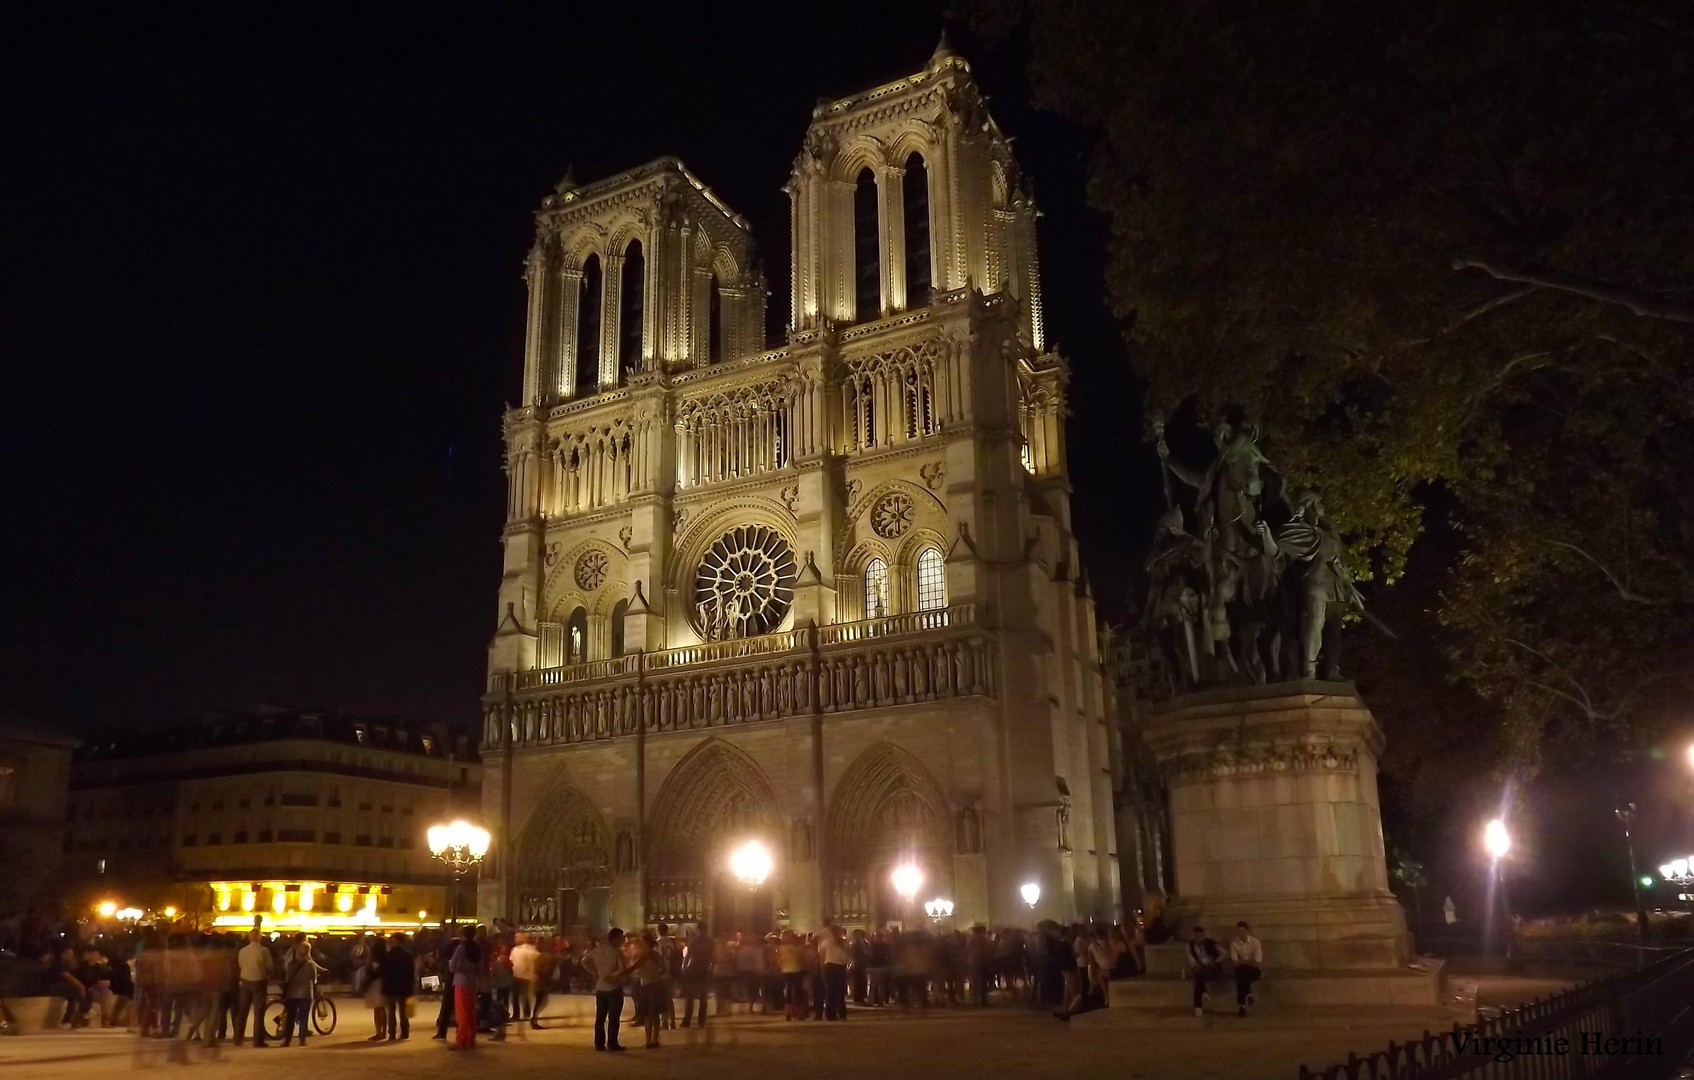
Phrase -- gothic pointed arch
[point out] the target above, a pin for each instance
(565, 844)
(715, 795)
(886, 804)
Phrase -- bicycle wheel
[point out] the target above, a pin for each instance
(323, 1016)
(274, 1019)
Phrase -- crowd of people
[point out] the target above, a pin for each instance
(256, 988)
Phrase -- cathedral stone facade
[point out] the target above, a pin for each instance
(825, 595)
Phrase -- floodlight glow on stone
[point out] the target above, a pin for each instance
(907, 879)
(1031, 893)
(751, 863)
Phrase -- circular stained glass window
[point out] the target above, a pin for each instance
(745, 584)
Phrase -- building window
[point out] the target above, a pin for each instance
(405, 810)
(240, 836)
(588, 328)
(876, 589)
(932, 580)
(188, 840)
(297, 799)
(867, 249)
(714, 323)
(359, 734)
(618, 611)
(332, 838)
(385, 841)
(576, 637)
(365, 806)
(297, 836)
(632, 310)
(914, 194)
(362, 840)
(405, 843)
(244, 802)
(214, 838)
(334, 797)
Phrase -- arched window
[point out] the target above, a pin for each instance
(876, 589)
(576, 637)
(867, 407)
(632, 299)
(588, 329)
(914, 194)
(932, 580)
(867, 259)
(618, 611)
(714, 326)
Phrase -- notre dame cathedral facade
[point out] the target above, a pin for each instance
(824, 596)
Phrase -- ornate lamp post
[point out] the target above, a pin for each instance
(938, 909)
(1497, 841)
(1626, 814)
(461, 846)
(1679, 872)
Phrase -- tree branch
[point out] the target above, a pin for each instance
(1641, 303)
(1476, 312)
(1624, 591)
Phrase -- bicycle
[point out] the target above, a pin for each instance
(276, 1015)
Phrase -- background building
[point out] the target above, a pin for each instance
(823, 596)
(304, 818)
(34, 772)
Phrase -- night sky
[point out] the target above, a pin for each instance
(265, 308)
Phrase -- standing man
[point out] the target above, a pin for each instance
(696, 974)
(255, 967)
(524, 957)
(1205, 963)
(398, 973)
(1248, 956)
(444, 958)
(605, 966)
(832, 950)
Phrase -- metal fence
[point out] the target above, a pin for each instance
(1633, 1026)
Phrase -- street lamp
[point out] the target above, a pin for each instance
(907, 879)
(130, 915)
(938, 909)
(1626, 814)
(1031, 893)
(461, 846)
(751, 863)
(106, 909)
(1497, 841)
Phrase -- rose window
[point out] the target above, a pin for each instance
(892, 516)
(745, 584)
(591, 570)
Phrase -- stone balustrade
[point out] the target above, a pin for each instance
(846, 667)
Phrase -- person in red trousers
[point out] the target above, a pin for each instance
(466, 963)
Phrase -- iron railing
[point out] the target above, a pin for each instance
(1633, 1026)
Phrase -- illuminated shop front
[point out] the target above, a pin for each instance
(325, 907)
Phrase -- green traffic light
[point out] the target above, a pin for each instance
(1646, 882)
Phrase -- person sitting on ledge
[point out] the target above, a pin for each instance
(1207, 963)
(1248, 957)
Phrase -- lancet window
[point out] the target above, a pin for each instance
(632, 310)
(588, 328)
(736, 433)
(914, 193)
(867, 249)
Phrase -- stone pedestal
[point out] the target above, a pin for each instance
(1275, 820)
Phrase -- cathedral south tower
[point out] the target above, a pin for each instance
(821, 598)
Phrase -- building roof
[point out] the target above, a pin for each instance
(266, 724)
(13, 726)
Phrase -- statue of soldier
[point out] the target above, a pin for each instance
(1176, 571)
(1322, 583)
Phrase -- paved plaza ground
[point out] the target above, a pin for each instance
(934, 1044)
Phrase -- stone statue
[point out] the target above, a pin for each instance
(1320, 583)
(1176, 570)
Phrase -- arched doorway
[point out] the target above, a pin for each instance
(886, 809)
(563, 870)
(715, 798)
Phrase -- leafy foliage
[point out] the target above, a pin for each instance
(1431, 245)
